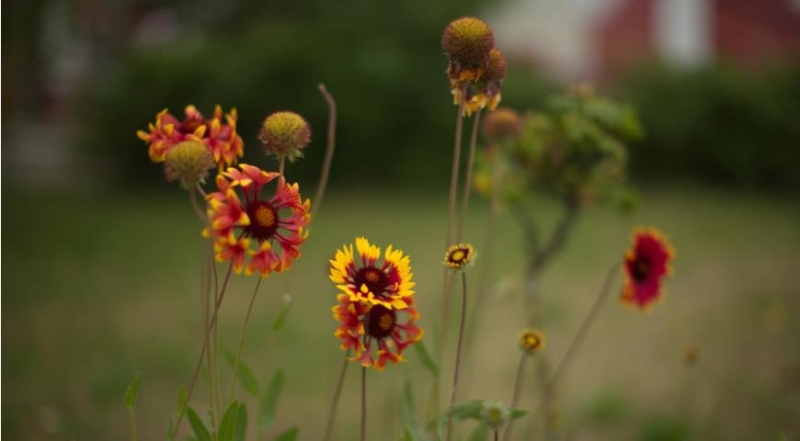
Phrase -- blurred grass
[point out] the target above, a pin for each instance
(97, 288)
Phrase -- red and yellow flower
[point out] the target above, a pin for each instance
(364, 279)
(240, 216)
(221, 139)
(645, 265)
(376, 334)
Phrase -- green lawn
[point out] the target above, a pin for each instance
(96, 288)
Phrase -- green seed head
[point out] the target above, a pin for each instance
(468, 41)
(285, 134)
(188, 163)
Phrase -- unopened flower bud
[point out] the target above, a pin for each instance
(495, 414)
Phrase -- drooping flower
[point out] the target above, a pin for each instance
(366, 280)
(376, 334)
(482, 92)
(467, 42)
(241, 215)
(645, 265)
(531, 341)
(221, 139)
(285, 134)
(458, 257)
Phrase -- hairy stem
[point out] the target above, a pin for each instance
(458, 353)
(335, 401)
(326, 167)
(241, 337)
(473, 141)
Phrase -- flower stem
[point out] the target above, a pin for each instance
(335, 402)
(451, 207)
(515, 398)
(132, 414)
(326, 167)
(363, 403)
(458, 352)
(203, 349)
(495, 435)
(583, 330)
(468, 179)
(281, 165)
(241, 336)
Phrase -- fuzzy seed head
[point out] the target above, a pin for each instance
(468, 41)
(495, 414)
(497, 67)
(188, 163)
(285, 134)
(503, 123)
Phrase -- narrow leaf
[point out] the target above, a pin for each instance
(470, 409)
(245, 375)
(181, 399)
(480, 433)
(517, 412)
(269, 401)
(289, 435)
(199, 428)
(233, 426)
(425, 358)
(408, 412)
(133, 391)
(281, 319)
(407, 435)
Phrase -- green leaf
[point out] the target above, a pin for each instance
(171, 427)
(407, 435)
(233, 426)
(425, 358)
(408, 413)
(516, 412)
(133, 391)
(289, 435)
(480, 433)
(181, 399)
(281, 319)
(470, 409)
(269, 401)
(245, 375)
(199, 428)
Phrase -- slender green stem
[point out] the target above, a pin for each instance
(515, 398)
(204, 348)
(583, 330)
(451, 205)
(326, 167)
(281, 165)
(196, 207)
(473, 141)
(132, 414)
(241, 337)
(363, 403)
(208, 264)
(458, 353)
(336, 395)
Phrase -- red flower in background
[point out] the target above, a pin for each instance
(646, 264)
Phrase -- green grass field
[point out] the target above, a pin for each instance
(96, 288)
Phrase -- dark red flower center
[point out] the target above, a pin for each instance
(263, 220)
(375, 280)
(380, 321)
(641, 268)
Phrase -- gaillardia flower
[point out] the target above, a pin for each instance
(531, 341)
(457, 257)
(221, 139)
(376, 334)
(363, 279)
(188, 162)
(274, 224)
(467, 42)
(646, 263)
(484, 91)
(285, 134)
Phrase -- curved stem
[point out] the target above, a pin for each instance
(241, 337)
(326, 167)
(196, 207)
(583, 330)
(515, 398)
(473, 141)
(203, 349)
(335, 402)
(363, 403)
(458, 352)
